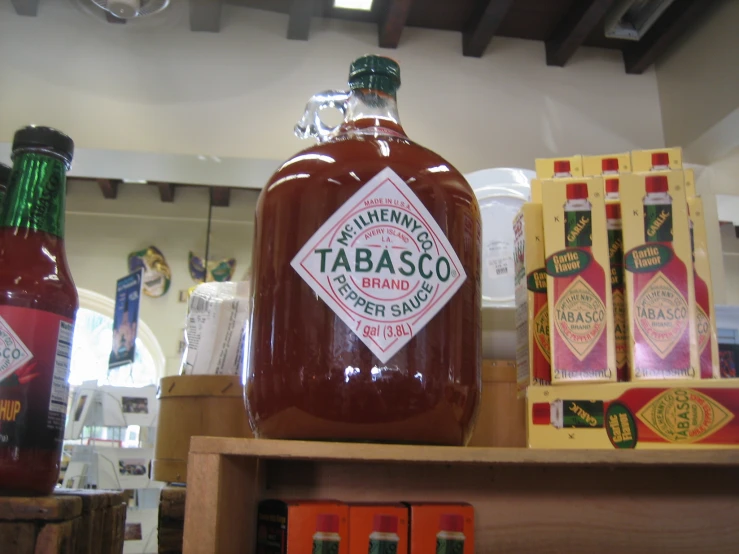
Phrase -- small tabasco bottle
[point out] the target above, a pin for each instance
(38, 304)
(658, 280)
(326, 538)
(579, 293)
(676, 415)
(384, 537)
(450, 539)
(616, 258)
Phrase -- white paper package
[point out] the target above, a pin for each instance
(214, 337)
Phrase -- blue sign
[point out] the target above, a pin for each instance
(125, 319)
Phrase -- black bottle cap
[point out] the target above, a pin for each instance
(4, 174)
(44, 137)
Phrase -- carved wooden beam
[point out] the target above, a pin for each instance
(485, 21)
(574, 29)
(220, 196)
(301, 13)
(392, 22)
(677, 18)
(109, 188)
(205, 15)
(166, 191)
(26, 7)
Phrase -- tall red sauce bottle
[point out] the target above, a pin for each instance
(661, 331)
(38, 304)
(584, 352)
(366, 318)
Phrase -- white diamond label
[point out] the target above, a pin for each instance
(382, 264)
(13, 353)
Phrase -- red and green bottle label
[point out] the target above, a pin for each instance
(35, 353)
(325, 547)
(578, 228)
(582, 414)
(449, 546)
(377, 546)
(658, 223)
(668, 415)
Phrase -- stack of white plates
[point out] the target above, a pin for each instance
(500, 192)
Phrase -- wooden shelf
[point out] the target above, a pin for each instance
(681, 501)
(331, 451)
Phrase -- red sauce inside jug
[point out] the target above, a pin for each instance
(308, 374)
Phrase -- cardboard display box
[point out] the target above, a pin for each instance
(660, 295)
(532, 309)
(643, 415)
(578, 281)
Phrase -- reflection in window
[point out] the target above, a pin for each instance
(93, 336)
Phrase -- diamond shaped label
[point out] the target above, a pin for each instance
(684, 415)
(661, 314)
(382, 264)
(580, 317)
(13, 353)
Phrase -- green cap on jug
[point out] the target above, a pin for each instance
(375, 72)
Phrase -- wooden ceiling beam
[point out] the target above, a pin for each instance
(482, 26)
(26, 7)
(166, 191)
(574, 28)
(301, 13)
(220, 197)
(677, 18)
(205, 15)
(392, 22)
(109, 188)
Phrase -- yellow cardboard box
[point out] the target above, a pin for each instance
(705, 321)
(607, 164)
(659, 276)
(659, 159)
(532, 310)
(551, 168)
(689, 176)
(644, 415)
(578, 281)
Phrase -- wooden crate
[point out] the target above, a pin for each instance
(171, 520)
(526, 501)
(69, 522)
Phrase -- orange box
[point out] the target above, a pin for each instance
(302, 527)
(376, 527)
(442, 528)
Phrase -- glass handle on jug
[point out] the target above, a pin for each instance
(311, 125)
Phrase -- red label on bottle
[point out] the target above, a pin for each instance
(35, 353)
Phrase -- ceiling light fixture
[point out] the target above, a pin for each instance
(365, 5)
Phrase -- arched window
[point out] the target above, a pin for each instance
(93, 336)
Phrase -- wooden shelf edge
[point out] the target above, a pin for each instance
(382, 453)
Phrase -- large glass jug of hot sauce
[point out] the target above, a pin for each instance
(366, 278)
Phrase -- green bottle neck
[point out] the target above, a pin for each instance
(36, 194)
(578, 228)
(658, 223)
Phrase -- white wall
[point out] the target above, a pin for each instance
(161, 88)
(101, 233)
(699, 79)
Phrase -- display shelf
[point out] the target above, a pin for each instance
(525, 500)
